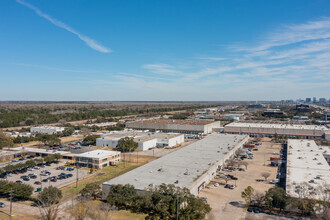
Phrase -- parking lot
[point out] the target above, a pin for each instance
(226, 202)
(53, 172)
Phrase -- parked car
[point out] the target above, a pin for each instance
(30, 169)
(15, 160)
(274, 181)
(232, 186)
(227, 186)
(250, 209)
(19, 181)
(37, 168)
(26, 178)
(2, 205)
(53, 180)
(45, 180)
(37, 183)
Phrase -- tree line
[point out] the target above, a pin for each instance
(309, 200)
(160, 202)
(35, 116)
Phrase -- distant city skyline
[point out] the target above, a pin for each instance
(164, 50)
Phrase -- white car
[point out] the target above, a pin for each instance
(276, 153)
(37, 168)
(274, 181)
(216, 185)
(30, 169)
(15, 160)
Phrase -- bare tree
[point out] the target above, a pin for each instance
(259, 197)
(244, 163)
(265, 175)
(225, 178)
(305, 201)
(79, 211)
(231, 163)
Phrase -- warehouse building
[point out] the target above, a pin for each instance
(175, 126)
(270, 129)
(192, 167)
(47, 129)
(97, 159)
(306, 163)
(145, 140)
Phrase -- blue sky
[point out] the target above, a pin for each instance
(172, 50)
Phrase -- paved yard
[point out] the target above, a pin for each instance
(60, 183)
(227, 203)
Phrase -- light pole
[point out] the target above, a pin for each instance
(11, 202)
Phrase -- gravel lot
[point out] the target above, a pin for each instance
(227, 203)
(60, 183)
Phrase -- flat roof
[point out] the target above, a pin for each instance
(277, 125)
(305, 161)
(97, 154)
(194, 160)
(139, 136)
(37, 150)
(181, 122)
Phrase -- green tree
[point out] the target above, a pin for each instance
(57, 156)
(30, 163)
(48, 139)
(21, 191)
(5, 141)
(68, 131)
(91, 190)
(90, 139)
(276, 197)
(48, 159)
(126, 144)
(168, 202)
(246, 194)
(50, 196)
(122, 196)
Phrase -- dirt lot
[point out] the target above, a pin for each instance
(227, 203)
(60, 183)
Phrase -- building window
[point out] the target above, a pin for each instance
(105, 159)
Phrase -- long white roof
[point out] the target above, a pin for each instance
(194, 160)
(305, 161)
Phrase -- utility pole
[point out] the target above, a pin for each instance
(177, 207)
(77, 175)
(11, 201)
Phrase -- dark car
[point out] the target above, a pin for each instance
(234, 178)
(227, 186)
(26, 178)
(2, 205)
(250, 209)
(33, 177)
(45, 180)
(256, 210)
(19, 181)
(22, 177)
(69, 175)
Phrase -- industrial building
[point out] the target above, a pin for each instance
(47, 129)
(175, 126)
(192, 167)
(272, 128)
(97, 159)
(306, 164)
(145, 140)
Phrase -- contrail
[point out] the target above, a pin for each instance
(90, 42)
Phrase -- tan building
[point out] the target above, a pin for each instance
(97, 159)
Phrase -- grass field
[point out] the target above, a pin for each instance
(103, 175)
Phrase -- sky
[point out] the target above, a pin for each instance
(173, 50)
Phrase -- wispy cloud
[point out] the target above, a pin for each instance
(293, 57)
(164, 69)
(211, 58)
(90, 42)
